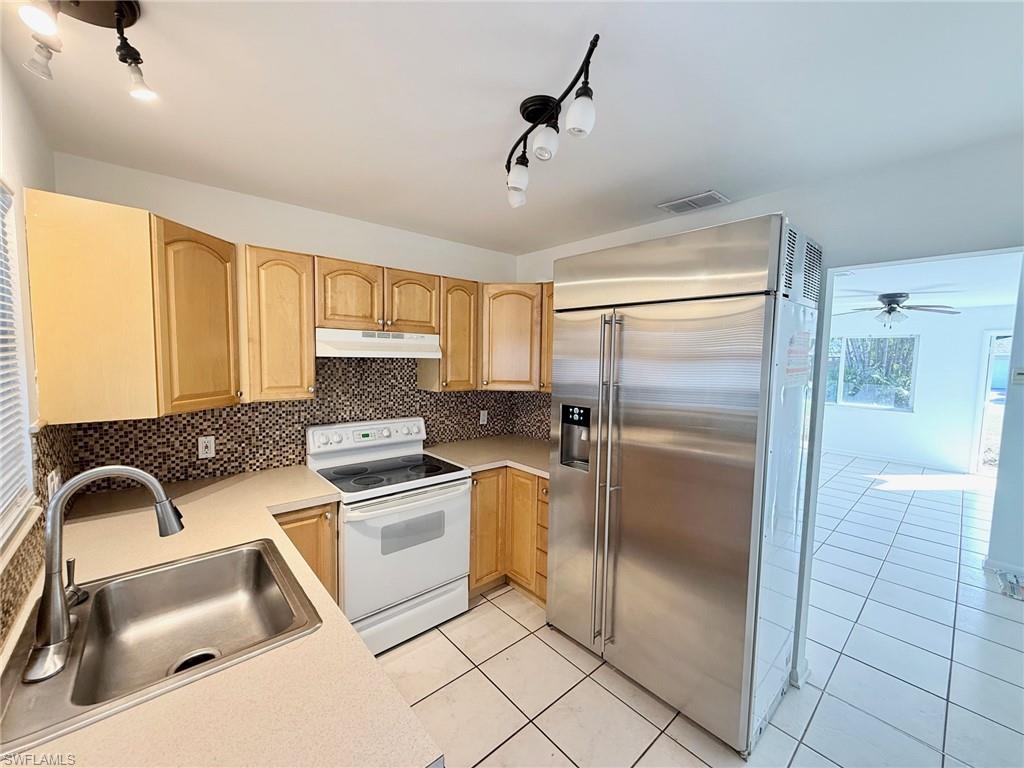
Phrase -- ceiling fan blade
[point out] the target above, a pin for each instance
(927, 306)
(938, 311)
(855, 311)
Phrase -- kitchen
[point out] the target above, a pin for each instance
(459, 467)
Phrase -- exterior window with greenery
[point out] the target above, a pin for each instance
(872, 371)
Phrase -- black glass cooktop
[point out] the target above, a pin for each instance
(384, 472)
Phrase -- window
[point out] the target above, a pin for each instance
(877, 372)
(15, 456)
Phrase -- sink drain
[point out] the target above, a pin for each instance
(193, 659)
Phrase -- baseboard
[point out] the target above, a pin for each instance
(997, 565)
(800, 673)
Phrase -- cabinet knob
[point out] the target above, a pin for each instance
(485, 382)
(444, 383)
(542, 385)
(388, 322)
(544, 491)
(327, 516)
(310, 389)
(238, 394)
(380, 322)
(476, 482)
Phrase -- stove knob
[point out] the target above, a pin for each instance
(386, 432)
(415, 429)
(405, 430)
(322, 438)
(335, 437)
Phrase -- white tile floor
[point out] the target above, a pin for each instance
(916, 658)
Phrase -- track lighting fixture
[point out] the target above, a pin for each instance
(39, 64)
(542, 112)
(41, 17)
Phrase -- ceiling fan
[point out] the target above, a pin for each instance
(894, 307)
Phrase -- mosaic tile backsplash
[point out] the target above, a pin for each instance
(261, 436)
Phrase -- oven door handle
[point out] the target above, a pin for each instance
(378, 508)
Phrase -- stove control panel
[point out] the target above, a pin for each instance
(334, 437)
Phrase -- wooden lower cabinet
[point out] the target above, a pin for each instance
(314, 532)
(508, 530)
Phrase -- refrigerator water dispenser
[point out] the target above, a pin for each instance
(575, 437)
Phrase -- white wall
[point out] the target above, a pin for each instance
(957, 202)
(245, 218)
(1006, 547)
(26, 160)
(949, 378)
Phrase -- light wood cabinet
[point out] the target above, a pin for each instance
(276, 310)
(547, 333)
(314, 532)
(522, 527)
(411, 301)
(457, 369)
(133, 316)
(349, 295)
(487, 528)
(510, 323)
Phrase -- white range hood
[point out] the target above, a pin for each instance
(332, 342)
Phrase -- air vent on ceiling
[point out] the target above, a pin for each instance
(694, 202)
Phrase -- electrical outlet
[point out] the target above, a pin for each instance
(206, 447)
(52, 482)
(483, 417)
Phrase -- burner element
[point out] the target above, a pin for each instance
(411, 459)
(426, 469)
(349, 471)
(368, 480)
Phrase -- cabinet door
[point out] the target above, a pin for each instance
(547, 335)
(279, 304)
(313, 531)
(487, 527)
(459, 301)
(194, 292)
(510, 336)
(412, 301)
(522, 527)
(349, 295)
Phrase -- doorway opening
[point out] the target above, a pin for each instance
(993, 399)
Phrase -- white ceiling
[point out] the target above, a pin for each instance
(977, 281)
(402, 114)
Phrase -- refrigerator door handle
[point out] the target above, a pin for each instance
(595, 630)
(609, 488)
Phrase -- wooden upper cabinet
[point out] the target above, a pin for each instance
(278, 361)
(411, 301)
(510, 336)
(547, 336)
(133, 316)
(194, 290)
(349, 295)
(457, 369)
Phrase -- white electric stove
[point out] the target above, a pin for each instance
(403, 542)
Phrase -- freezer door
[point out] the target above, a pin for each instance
(687, 397)
(577, 456)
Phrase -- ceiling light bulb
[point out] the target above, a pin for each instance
(39, 64)
(516, 198)
(545, 142)
(40, 17)
(519, 176)
(579, 122)
(137, 86)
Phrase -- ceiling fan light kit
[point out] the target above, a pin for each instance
(894, 309)
(542, 113)
(41, 17)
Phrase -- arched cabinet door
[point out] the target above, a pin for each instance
(510, 336)
(412, 301)
(196, 340)
(279, 291)
(459, 362)
(349, 295)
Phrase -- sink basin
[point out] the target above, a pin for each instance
(143, 633)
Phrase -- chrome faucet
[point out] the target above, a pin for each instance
(54, 624)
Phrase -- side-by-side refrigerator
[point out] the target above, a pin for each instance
(680, 411)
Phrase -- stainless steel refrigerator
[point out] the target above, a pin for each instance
(680, 411)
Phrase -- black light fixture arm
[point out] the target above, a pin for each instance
(126, 52)
(556, 105)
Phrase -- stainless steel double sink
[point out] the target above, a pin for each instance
(143, 633)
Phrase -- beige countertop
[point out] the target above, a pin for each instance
(319, 700)
(516, 451)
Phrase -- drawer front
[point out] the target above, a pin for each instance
(542, 539)
(542, 514)
(542, 587)
(542, 562)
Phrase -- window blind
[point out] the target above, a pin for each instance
(15, 452)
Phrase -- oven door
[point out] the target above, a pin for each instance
(401, 546)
